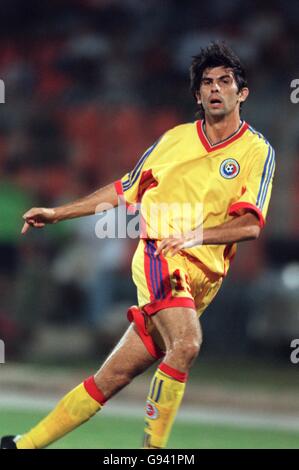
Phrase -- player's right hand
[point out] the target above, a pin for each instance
(38, 217)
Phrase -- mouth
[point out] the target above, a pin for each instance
(215, 101)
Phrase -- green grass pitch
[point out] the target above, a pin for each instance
(126, 433)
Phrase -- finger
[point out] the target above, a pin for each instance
(175, 247)
(25, 228)
(31, 213)
(176, 250)
(166, 244)
(166, 250)
(161, 247)
(158, 251)
(38, 224)
(169, 246)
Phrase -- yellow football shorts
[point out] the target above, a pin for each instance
(165, 281)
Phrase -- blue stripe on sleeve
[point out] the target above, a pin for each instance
(134, 174)
(264, 176)
(270, 174)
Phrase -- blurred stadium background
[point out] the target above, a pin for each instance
(89, 85)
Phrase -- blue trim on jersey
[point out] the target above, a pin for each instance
(270, 174)
(266, 177)
(126, 184)
(267, 171)
(263, 176)
(134, 174)
(260, 136)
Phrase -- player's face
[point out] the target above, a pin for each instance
(218, 93)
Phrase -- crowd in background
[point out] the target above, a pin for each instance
(90, 84)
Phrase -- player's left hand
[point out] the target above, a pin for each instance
(173, 245)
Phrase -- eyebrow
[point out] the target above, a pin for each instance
(222, 76)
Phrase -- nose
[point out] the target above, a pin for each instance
(215, 87)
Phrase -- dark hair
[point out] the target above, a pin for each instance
(216, 54)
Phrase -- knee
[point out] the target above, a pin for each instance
(193, 344)
(191, 350)
(187, 349)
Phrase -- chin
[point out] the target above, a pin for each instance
(217, 113)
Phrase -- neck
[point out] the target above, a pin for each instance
(221, 128)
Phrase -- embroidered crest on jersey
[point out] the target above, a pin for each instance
(229, 168)
(151, 410)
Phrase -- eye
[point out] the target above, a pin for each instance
(225, 80)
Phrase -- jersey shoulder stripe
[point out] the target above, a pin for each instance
(260, 136)
(134, 174)
(268, 169)
(267, 174)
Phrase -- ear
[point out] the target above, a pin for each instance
(243, 94)
(198, 98)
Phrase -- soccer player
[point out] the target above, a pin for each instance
(219, 161)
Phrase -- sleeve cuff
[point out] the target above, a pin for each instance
(119, 188)
(239, 207)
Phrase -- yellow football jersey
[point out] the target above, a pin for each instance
(200, 182)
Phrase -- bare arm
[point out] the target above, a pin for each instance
(38, 217)
(242, 228)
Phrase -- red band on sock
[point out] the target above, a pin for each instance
(93, 390)
(174, 373)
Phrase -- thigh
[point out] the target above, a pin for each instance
(129, 358)
(175, 324)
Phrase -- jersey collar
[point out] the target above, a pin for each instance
(211, 147)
